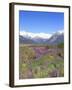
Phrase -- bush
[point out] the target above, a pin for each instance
(60, 45)
(26, 54)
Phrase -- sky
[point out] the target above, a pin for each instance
(41, 22)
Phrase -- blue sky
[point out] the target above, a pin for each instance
(36, 22)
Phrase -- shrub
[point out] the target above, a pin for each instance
(26, 54)
(60, 45)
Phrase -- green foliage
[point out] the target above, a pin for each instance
(26, 54)
(24, 67)
(61, 45)
(49, 46)
(45, 66)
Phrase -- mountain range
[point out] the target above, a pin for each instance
(41, 38)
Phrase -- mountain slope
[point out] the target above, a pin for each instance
(24, 40)
(56, 38)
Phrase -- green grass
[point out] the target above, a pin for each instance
(26, 54)
(61, 45)
(45, 66)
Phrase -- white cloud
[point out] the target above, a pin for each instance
(58, 32)
(61, 31)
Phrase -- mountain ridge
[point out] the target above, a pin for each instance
(27, 38)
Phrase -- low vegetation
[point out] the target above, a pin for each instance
(41, 61)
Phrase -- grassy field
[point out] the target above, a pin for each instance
(41, 61)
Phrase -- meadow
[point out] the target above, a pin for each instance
(41, 61)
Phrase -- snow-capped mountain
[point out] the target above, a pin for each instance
(35, 35)
(25, 40)
(56, 38)
(41, 38)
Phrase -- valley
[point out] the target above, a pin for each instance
(41, 61)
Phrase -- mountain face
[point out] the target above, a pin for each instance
(24, 40)
(54, 39)
(28, 40)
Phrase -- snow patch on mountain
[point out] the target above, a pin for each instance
(35, 35)
(54, 38)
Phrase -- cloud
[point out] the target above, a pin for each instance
(61, 31)
(58, 32)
